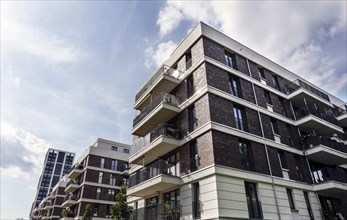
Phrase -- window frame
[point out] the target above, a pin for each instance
(235, 86)
(240, 118)
(291, 200)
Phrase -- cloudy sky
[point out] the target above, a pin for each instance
(70, 70)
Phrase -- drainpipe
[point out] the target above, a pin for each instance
(266, 151)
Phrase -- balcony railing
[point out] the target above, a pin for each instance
(337, 111)
(305, 111)
(312, 140)
(159, 211)
(70, 197)
(162, 98)
(328, 173)
(77, 167)
(156, 169)
(163, 70)
(295, 85)
(166, 130)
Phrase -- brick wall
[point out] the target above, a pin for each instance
(241, 64)
(254, 70)
(213, 50)
(205, 150)
(260, 96)
(274, 162)
(253, 123)
(221, 110)
(197, 50)
(217, 78)
(247, 91)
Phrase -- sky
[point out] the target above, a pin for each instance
(70, 69)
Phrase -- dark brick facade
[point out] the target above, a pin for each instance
(213, 50)
(274, 162)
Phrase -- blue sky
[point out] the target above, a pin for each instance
(70, 70)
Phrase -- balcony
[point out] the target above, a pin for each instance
(159, 176)
(159, 211)
(341, 115)
(76, 170)
(330, 182)
(72, 186)
(309, 118)
(160, 110)
(69, 200)
(298, 91)
(164, 80)
(325, 150)
(159, 142)
(48, 206)
(50, 197)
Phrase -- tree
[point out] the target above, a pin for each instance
(88, 213)
(120, 210)
(67, 212)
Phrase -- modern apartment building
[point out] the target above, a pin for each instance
(50, 208)
(96, 178)
(222, 132)
(57, 163)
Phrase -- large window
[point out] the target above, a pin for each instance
(102, 163)
(240, 118)
(101, 174)
(194, 157)
(230, 60)
(290, 198)
(308, 205)
(192, 118)
(114, 164)
(245, 153)
(110, 195)
(112, 179)
(254, 209)
(196, 201)
(298, 167)
(282, 159)
(98, 193)
(276, 83)
(235, 86)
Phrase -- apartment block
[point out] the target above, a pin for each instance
(57, 163)
(96, 178)
(221, 132)
(50, 208)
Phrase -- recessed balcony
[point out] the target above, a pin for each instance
(72, 186)
(76, 170)
(298, 91)
(69, 200)
(159, 142)
(325, 150)
(322, 122)
(159, 176)
(160, 110)
(330, 182)
(164, 80)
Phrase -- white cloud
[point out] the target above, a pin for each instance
(292, 34)
(15, 172)
(155, 57)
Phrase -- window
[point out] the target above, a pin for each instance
(274, 127)
(110, 194)
(113, 179)
(96, 209)
(126, 166)
(196, 201)
(188, 59)
(308, 205)
(230, 60)
(194, 157)
(102, 163)
(267, 97)
(114, 148)
(290, 198)
(276, 83)
(235, 86)
(252, 201)
(114, 164)
(282, 159)
(261, 73)
(98, 193)
(244, 149)
(240, 119)
(192, 118)
(101, 174)
(190, 86)
(126, 151)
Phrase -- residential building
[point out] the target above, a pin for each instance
(57, 163)
(222, 132)
(96, 178)
(50, 208)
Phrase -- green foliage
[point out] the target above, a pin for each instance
(120, 210)
(67, 212)
(88, 213)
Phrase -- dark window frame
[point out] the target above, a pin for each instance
(240, 118)
(290, 198)
(245, 150)
(230, 60)
(235, 86)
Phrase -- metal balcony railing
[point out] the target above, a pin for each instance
(155, 169)
(162, 98)
(166, 211)
(166, 130)
(163, 70)
(305, 111)
(328, 173)
(337, 111)
(313, 140)
(295, 85)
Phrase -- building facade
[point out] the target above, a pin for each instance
(96, 178)
(57, 163)
(222, 132)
